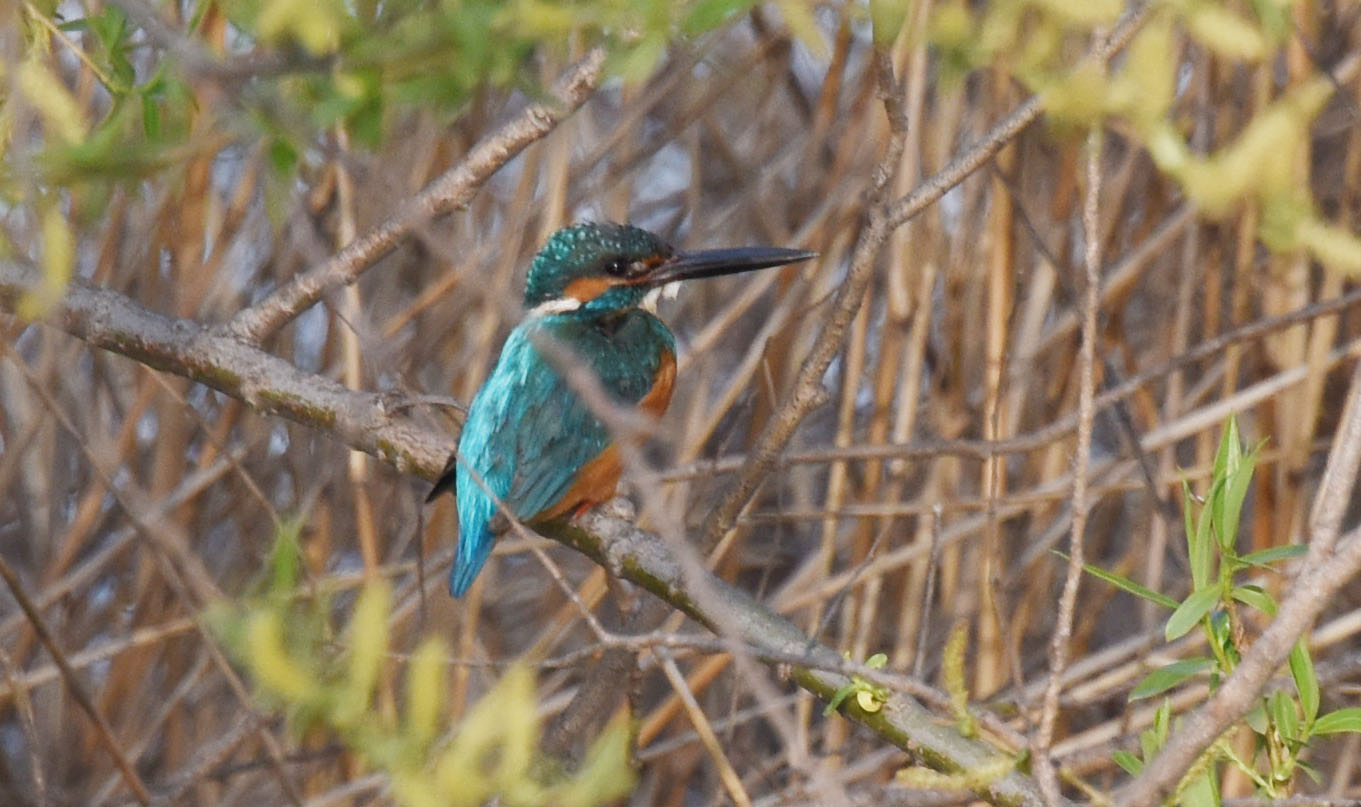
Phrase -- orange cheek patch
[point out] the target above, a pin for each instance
(587, 289)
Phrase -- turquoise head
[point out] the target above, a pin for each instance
(598, 268)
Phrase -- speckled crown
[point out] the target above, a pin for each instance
(582, 250)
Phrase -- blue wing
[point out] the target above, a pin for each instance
(528, 434)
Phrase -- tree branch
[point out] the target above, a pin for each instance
(449, 191)
(374, 423)
(884, 217)
(646, 560)
(368, 421)
(1328, 566)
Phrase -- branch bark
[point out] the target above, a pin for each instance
(376, 424)
(368, 421)
(647, 560)
(450, 191)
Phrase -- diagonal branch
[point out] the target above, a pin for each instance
(1330, 564)
(884, 217)
(647, 560)
(370, 422)
(450, 191)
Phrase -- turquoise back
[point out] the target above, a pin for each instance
(528, 433)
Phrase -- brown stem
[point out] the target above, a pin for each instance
(449, 191)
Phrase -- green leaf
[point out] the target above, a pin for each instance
(707, 15)
(1284, 715)
(1124, 583)
(1190, 612)
(1153, 738)
(1198, 544)
(1203, 791)
(1128, 761)
(1159, 681)
(1274, 17)
(1188, 510)
(1235, 491)
(151, 118)
(1256, 719)
(1309, 769)
(1256, 597)
(839, 697)
(1227, 475)
(886, 19)
(1341, 721)
(285, 559)
(1306, 680)
(1263, 558)
(282, 156)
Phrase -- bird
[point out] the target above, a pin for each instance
(530, 443)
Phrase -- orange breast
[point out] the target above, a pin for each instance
(659, 397)
(597, 480)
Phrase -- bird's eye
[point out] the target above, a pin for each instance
(617, 267)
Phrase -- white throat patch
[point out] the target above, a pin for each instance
(668, 291)
(559, 305)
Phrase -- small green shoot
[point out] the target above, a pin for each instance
(1283, 722)
(869, 697)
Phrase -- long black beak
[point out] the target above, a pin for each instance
(715, 262)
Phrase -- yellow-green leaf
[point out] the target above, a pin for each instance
(59, 255)
(368, 643)
(1334, 247)
(798, 16)
(314, 25)
(1340, 721)
(269, 660)
(1227, 34)
(1163, 679)
(425, 693)
(1191, 611)
(55, 105)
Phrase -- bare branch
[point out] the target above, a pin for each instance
(368, 421)
(1063, 630)
(883, 218)
(449, 191)
(648, 561)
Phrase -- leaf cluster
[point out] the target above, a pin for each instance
(1283, 722)
(1265, 163)
(290, 648)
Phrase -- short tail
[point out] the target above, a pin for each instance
(474, 547)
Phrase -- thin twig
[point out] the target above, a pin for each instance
(449, 191)
(726, 773)
(1063, 628)
(74, 685)
(883, 218)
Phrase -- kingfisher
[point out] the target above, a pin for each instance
(529, 441)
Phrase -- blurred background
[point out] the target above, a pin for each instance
(130, 498)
